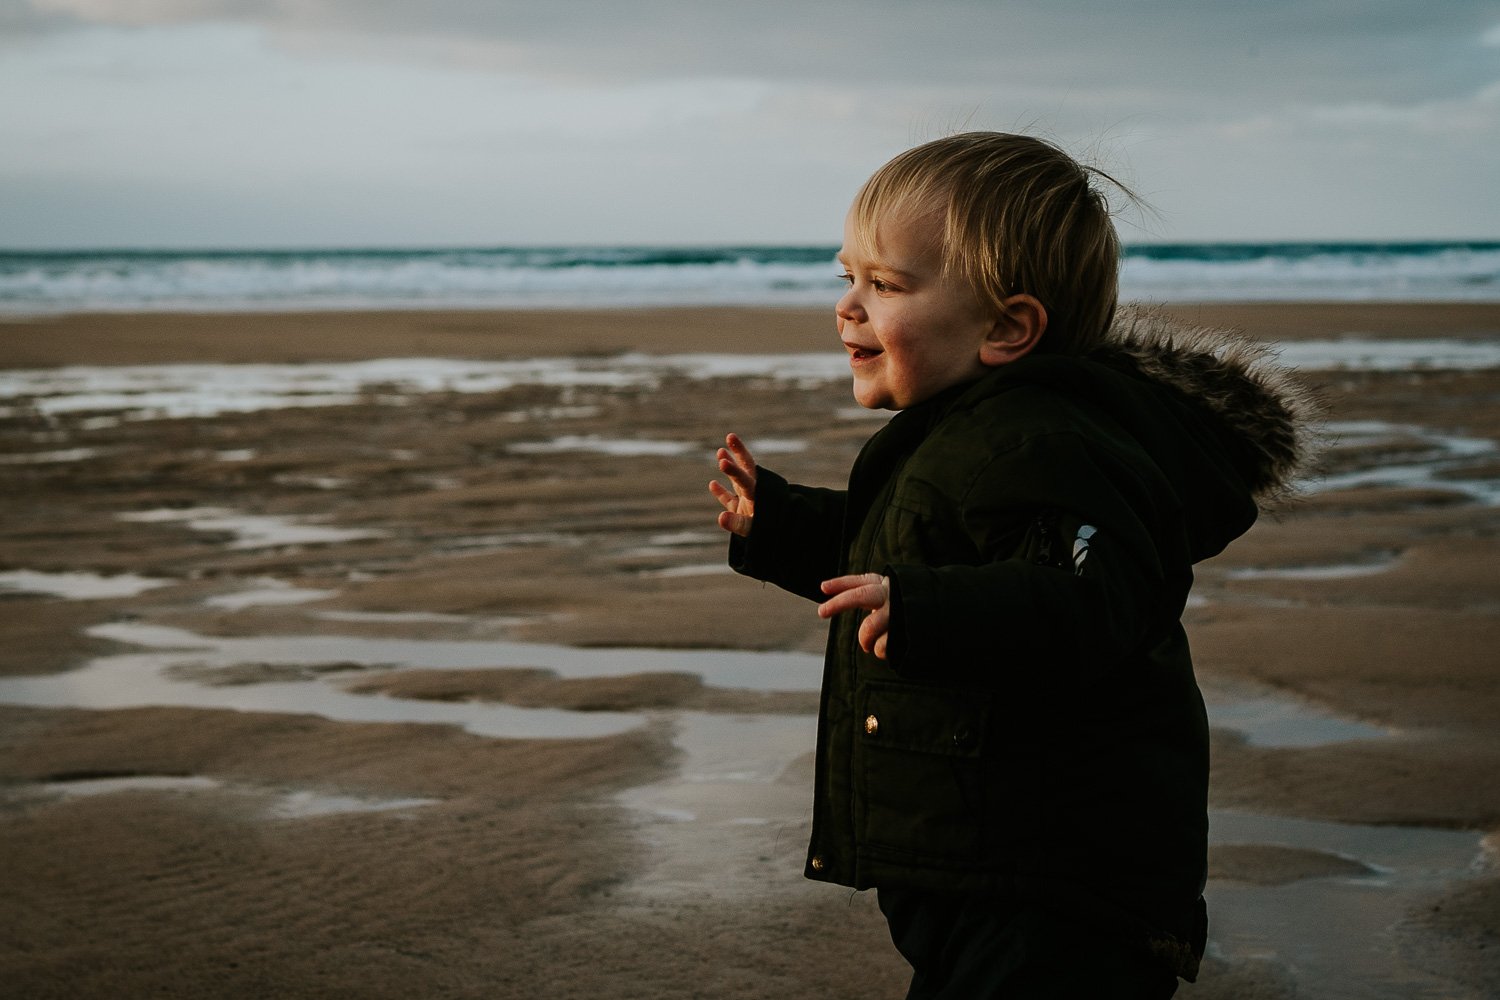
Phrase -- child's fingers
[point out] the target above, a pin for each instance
(735, 461)
(738, 524)
(872, 631)
(743, 482)
(731, 460)
(741, 456)
(840, 584)
(864, 590)
(729, 465)
(740, 450)
(728, 498)
(743, 479)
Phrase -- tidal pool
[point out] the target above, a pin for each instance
(1407, 456)
(163, 669)
(1337, 937)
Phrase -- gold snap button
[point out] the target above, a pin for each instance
(872, 725)
(817, 863)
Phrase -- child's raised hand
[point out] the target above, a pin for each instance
(736, 462)
(870, 591)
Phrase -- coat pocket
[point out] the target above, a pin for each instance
(919, 526)
(920, 773)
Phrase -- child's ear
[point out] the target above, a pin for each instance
(1016, 331)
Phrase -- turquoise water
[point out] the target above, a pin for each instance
(126, 280)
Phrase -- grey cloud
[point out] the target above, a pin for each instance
(1328, 50)
(20, 20)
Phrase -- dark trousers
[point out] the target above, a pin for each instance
(984, 948)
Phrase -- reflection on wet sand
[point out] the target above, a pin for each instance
(491, 550)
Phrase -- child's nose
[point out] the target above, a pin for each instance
(848, 307)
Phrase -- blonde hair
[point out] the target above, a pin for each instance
(1020, 216)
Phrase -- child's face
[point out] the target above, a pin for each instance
(910, 329)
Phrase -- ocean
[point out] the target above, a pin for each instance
(43, 282)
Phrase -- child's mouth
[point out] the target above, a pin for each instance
(862, 353)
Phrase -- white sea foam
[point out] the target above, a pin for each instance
(634, 276)
(1331, 272)
(41, 283)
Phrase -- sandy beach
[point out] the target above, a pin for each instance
(330, 678)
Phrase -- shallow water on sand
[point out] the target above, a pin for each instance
(202, 390)
(79, 586)
(173, 665)
(731, 805)
(736, 802)
(271, 804)
(731, 808)
(1406, 456)
(248, 531)
(1337, 937)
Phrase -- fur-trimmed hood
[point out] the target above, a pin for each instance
(1262, 407)
(1228, 429)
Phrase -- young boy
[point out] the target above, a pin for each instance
(1012, 747)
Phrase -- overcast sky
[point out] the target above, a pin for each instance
(284, 123)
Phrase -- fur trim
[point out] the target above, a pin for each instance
(1240, 382)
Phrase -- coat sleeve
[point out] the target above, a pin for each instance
(1068, 615)
(794, 540)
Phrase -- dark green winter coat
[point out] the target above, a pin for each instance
(1036, 729)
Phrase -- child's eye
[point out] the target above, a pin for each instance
(879, 284)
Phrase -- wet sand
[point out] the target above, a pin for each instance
(192, 849)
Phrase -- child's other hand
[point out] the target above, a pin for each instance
(736, 462)
(870, 591)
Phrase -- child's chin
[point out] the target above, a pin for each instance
(870, 395)
(875, 403)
